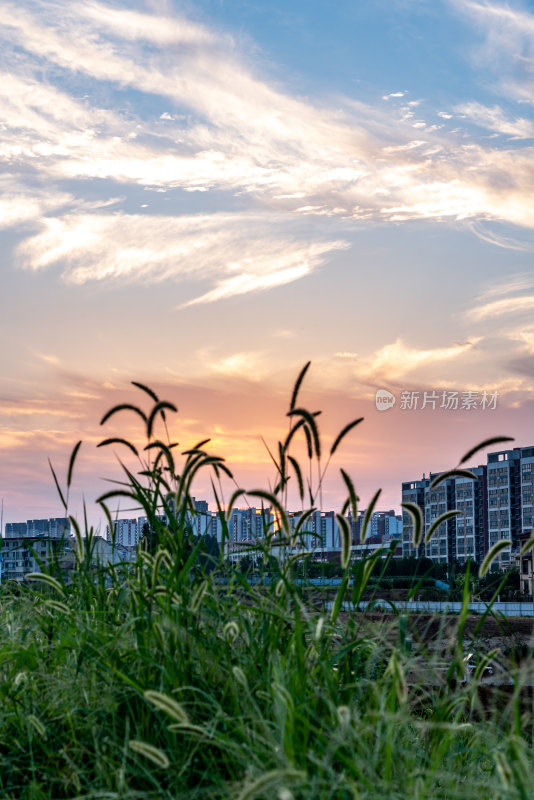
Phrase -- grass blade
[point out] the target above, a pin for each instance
(485, 443)
(58, 487)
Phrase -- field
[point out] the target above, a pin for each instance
(159, 680)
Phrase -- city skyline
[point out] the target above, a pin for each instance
(202, 197)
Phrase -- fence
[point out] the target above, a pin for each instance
(508, 609)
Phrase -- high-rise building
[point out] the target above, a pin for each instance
(495, 505)
(437, 501)
(527, 488)
(412, 492)
(470, 497)
(249, 524)
(504, 501)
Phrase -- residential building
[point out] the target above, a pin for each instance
(470, 497)
(527, 488)
(126, 532)
(249, 524)
(495, 505)
(504, 502)
(412, 492)
(437, 501)
(26, 554)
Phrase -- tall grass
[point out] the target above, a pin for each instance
(173, 677)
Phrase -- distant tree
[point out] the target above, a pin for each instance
(208, 551)
(245, 565)
(487, 586)
(149, 538)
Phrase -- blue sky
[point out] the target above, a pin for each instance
(206, 195)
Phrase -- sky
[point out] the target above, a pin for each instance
(204, 196)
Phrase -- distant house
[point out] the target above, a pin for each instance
(24, 554)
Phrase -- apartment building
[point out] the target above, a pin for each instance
(471, 527)
(26, 546)
(527, 488)
(412, 492)
(496, 505)
(248, 524)
(437, 501)
(23, 555)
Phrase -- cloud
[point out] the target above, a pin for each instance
(236, 251)
(508, 48)
(239, 365)
(512, 283)
(21, 205)
(498, 239)
(495, 119)
(137, 26)
(503, 298)
(394, 361)
(499, 308)
(527, 335)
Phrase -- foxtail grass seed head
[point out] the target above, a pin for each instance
(153, 754)
(285, 794)
(492, 555)
(167, 704)
(268, 782)
(20, 677)
(231, 630)
(240, 676)
(37, 725)
(196, 600)
(343, 716)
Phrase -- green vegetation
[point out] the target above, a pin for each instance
(173, 677)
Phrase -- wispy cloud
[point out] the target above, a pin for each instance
(240, 364)
(519, 282)
(495, 119)
(508, 47)
(395, 361)
(499, 308)
(503, 298)
(484, 232)
(238, 252)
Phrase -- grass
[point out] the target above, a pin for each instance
(158, 679)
